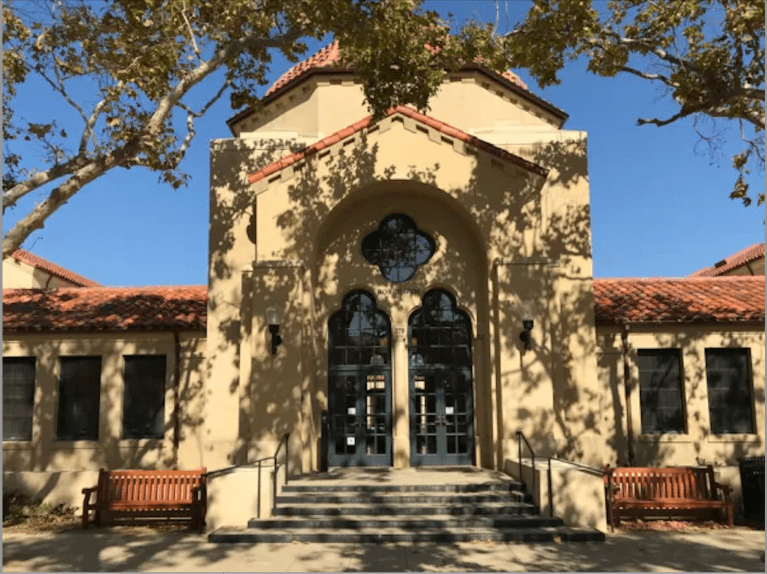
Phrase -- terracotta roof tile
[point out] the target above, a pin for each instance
(722, 299)
(105, 309)
(735, 260)
(405, 111)
(55, 270)
(329, 58)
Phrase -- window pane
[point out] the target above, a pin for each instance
(398, 247)
(661, 397)
(144, 396)
(79, 390)
(18, 397)
(728, 376)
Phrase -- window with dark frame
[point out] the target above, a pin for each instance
(728, 376)
(661, 394)
(144, 397)
(79, 398)
(18, 397)
(398, 248)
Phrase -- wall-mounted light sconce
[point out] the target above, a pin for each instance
(527, 326)
(274, 318)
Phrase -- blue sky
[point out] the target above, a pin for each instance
(658, 207)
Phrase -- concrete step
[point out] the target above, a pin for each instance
(303, 485)
(409, 522)
(398, 498)
(377, 509)
(389, 534)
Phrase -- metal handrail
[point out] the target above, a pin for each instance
(285, 439)
(598, 471)
(521, 437)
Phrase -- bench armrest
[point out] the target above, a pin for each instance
(87, 504)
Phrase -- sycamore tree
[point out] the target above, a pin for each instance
(126, 69)
(707, 55)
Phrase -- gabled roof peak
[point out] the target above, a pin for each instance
(329, 60)
(407, 112)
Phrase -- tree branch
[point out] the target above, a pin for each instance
(654, 121)
(647, 76)
(91, 121)
(59, 196)
(37, 180)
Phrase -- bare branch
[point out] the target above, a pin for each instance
(654, 121)
(58, 197)
(648, 76)
(60, 89)
(37, 180)
(191, 115)
(91, 122)
(195, 48)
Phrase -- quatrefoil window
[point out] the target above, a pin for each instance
(398, 247)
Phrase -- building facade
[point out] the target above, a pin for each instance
(415, 291)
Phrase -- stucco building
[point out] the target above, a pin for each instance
(425, 280)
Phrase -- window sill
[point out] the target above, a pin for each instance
(17, 445)
(84, 444)
(654, 438)
(735, 437)
(141, 442)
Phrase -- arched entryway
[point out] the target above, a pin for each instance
(359, 383)
(440, 369)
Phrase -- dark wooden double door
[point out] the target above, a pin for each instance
(440, 383)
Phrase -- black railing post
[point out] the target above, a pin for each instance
(324, 440)
(274, 485)
(519, 446)
(551, 496)
(287, 457)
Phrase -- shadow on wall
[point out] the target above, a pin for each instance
(507, 208)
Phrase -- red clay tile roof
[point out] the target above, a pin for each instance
(405, 111)
(329, 58)
(722, 299)
(105, 309)
(55, 270)
(735, 260)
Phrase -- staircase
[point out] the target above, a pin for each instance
(385, 505)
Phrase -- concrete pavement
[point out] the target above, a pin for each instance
(123, 549)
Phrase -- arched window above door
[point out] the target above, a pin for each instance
(359, 333)
(398, 247)
(440, 333)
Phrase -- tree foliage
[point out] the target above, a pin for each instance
(133, 71)
(707, 54)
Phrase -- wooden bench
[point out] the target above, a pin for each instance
(178, 495)
(645, 491)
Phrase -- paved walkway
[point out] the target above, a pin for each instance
(106, 549)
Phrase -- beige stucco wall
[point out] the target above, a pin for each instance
(505, 237)
(698, 445)
(324, 104)
(19, 275)
(46, 465)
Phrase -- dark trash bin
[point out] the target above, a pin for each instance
(752, 484)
